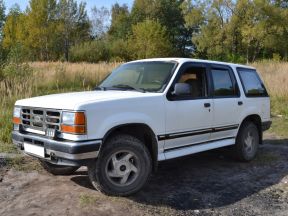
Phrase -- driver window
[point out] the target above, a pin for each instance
(196, 78)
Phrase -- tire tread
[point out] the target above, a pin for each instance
(238, 148)
(94, 171)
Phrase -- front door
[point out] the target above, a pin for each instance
(188, 117)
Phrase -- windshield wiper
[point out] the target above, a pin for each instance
(128, 87)
(100, 88)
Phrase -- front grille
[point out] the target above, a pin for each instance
(40, 119)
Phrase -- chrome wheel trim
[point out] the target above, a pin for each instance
(122, 168)
(249, 143)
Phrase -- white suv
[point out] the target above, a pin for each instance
(145, 111)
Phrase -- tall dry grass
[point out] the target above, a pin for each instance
(275, 76)
(42, 78)
(52, 77)
(74, 76)
(63, 74)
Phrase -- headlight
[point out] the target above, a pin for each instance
(73, 122)
(68, 118)
(17, 115)
(17, 112)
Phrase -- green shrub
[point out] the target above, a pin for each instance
(236, 58)
(119, 50)
(94, 51)
(15, 77)
(276, 57)
(16, 81)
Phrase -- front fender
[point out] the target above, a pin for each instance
(101, 117)
(122, 119)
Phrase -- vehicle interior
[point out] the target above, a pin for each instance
(196, 78)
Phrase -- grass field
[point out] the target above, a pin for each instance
(40, 78)
(275, 76)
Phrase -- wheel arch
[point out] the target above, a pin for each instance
(142, 132)
(256, 119)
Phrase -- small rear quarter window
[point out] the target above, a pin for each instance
(252, 84)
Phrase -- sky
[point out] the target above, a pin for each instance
(89, 3)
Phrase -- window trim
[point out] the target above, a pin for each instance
(184, 67)
(232, 77)
(238, 69)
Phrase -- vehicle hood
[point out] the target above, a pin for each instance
(71, 101)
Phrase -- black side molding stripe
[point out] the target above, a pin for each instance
(196, 132)
(196, 144)
(184, 134)
(218, 129)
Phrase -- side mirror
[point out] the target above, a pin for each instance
(181, 89)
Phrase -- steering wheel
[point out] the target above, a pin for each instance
(156, 82)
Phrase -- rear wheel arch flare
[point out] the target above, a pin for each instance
(256, 119)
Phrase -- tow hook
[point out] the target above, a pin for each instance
(53, 157)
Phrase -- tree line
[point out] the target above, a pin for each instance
(227, 30)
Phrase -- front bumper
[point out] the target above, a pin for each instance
(60, 152)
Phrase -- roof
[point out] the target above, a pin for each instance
(183, 60)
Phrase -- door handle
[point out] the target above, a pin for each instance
(206, 105)
(240, 103)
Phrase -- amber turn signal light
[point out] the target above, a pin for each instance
(75, 129)
(16, 120)
(79, 118)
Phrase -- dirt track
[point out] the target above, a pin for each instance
(203, 184)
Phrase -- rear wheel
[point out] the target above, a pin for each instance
(247, 142)
(57, 169)
(122, 168)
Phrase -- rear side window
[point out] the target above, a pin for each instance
(252, 84)
(223, 84)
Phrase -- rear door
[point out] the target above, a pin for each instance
(227, 104)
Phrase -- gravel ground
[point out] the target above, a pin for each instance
(209, 183)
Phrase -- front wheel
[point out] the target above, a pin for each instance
(247, 142)
(58, 169)
(122, 168)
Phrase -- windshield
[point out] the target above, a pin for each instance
(141, 76)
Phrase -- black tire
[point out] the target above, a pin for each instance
(247, 142)
(119, 155)
(57, 169)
